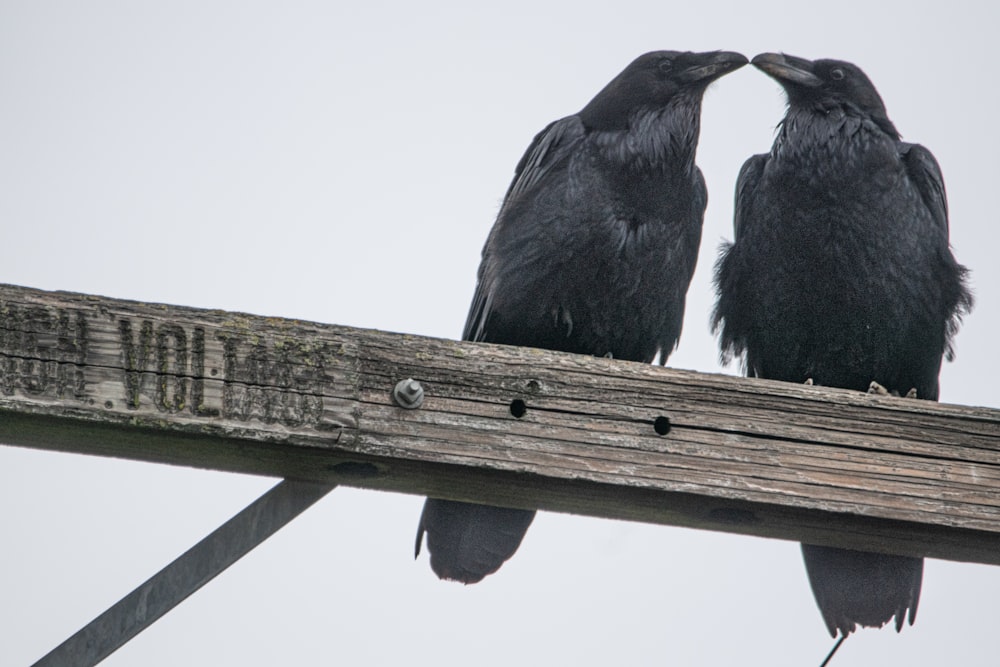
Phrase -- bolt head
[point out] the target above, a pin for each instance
(408, 394)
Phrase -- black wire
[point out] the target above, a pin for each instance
(833, 650)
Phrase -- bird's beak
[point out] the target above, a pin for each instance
(713, 65)
(788, 69)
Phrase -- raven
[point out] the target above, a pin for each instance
(592, 253)
(841, 273)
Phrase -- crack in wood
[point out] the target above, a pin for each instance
(606, 437)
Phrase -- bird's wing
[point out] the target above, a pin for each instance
(475, 323)
(700, 201)
(549, 148)
(746, 183)
(925, 173)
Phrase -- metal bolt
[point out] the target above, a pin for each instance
(408, 394)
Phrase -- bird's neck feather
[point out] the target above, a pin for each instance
(656, 140)
(804, 131)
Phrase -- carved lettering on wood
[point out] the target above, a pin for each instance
(171, 367)
(44, 351)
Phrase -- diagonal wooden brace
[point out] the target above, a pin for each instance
(193, 569)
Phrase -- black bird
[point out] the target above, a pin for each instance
(841, 274)
(592, 252)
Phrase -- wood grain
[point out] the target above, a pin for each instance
(297, 399)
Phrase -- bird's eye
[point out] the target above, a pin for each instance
(666, 65)
(837, 74)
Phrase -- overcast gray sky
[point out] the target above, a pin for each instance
(284, 159)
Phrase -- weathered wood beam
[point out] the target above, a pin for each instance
(597, 436)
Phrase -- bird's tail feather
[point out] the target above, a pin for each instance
(860, 588)
(467, 542)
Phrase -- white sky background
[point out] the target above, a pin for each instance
(344, 165)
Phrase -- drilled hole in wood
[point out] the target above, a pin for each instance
(661, 425)
(518, 408)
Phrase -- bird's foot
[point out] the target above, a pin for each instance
(608, 355)
(809, 381)
(877, 389)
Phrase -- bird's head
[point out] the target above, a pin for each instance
(653, 80)
(822, 83)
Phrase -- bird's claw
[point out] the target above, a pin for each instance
(809, 381)
(877, 389)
